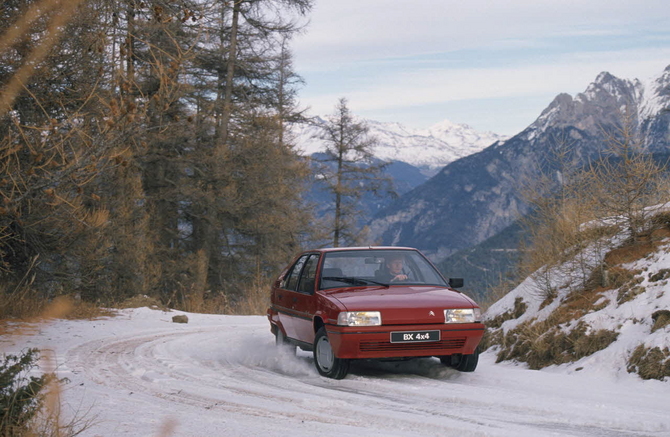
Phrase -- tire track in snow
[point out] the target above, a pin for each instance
(237, 371)
(145, 364)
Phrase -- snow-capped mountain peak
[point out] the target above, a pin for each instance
(606, 98)
(656, 95)
(429, 149)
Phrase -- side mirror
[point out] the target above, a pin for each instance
(455, 282)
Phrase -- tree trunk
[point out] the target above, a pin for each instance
(130, 41)
(232, 56)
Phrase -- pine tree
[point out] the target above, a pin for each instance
(349, 170)
(54, 144)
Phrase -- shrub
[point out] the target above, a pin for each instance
(21, 396)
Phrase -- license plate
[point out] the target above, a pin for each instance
(414, 336)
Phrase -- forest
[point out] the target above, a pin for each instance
(144, 150)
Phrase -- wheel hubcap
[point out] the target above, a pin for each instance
(324, 354)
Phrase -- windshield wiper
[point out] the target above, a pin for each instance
(370, 281)
(354, 281)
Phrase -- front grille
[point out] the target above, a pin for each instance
(385, 346)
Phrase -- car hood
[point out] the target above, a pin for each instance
(403, 305)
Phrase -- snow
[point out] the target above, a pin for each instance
(430, 149)
(654, 95)
(631, 320)
(138, 373)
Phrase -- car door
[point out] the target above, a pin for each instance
(303, 301)
(285, 295)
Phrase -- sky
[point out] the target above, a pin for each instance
(494, 65)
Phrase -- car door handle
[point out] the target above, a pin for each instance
(280, 296)
(295, 299)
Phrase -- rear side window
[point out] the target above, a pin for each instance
(292, 278)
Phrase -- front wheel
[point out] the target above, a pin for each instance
(464, 363)
(326, 362)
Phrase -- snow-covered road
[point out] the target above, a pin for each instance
(221, 375)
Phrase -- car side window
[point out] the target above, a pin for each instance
(293, 277)
(308, 277)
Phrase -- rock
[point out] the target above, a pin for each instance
(180, 319)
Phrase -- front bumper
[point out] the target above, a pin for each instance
(375, 341)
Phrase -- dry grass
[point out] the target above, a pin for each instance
(660, 225)
(660, 275)
(87, 310)
(544, 344)
(491, 338)
(630, 251)
(650, 363)
(256, 300)
(577, 304)
(661, 319)
(139, 301)
(518, 310)
(645, 244)
(28, 306)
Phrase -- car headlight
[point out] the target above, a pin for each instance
(462, 315)
(359, 318)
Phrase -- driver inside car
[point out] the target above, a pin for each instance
(394, 270)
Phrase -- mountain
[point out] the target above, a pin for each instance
(413, 155)
(404, 176)
(475, 197)
(487, 266)
(427, 149)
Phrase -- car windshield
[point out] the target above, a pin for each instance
(384, 267)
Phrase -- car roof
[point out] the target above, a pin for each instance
(343, 249)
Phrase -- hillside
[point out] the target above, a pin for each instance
(486, 265)
(608, 305)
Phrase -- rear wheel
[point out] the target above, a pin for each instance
(462, 363)
(282, 342)
(326, 362)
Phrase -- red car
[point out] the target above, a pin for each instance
(373, 302)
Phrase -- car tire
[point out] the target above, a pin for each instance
(466, 363)
(327, 364)
(283, 343)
